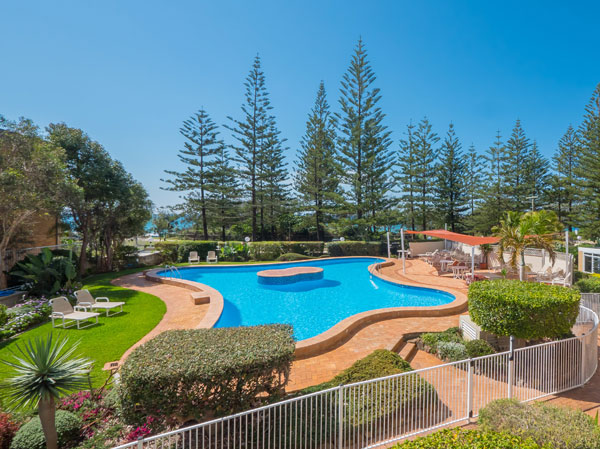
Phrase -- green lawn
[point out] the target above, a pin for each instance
(108, 340)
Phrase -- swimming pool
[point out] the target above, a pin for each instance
(311, 306)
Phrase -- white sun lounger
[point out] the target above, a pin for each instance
(62, 309)
(193, 257)
(87, 301)
(212, 257)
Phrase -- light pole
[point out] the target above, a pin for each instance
(532, 198)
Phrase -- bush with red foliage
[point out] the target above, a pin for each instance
(8, 428)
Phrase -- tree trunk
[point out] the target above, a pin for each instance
(82, 255)
(46, 411)
(522, 265)
(3, 280)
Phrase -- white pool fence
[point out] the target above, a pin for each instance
(381, 411)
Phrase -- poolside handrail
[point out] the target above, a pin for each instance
(377, 412)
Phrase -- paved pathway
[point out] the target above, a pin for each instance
(181, 312)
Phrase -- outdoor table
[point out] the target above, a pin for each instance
(458, 271)
(444, 263)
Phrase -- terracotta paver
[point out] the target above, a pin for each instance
(380, 335)
(181, 313)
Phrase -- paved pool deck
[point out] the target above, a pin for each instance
(182, 313)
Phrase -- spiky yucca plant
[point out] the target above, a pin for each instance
(45, 369)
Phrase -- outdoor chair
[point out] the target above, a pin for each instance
(544, 276)
(561, 278)
(62, 309)
(212, 257)
(87, 301)
(193, 257)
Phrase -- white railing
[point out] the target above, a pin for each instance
(380, 411)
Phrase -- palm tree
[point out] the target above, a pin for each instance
(530, 230)
(45, 369)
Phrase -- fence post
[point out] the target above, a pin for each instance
(340, 420)
(140, 443)
(583, 357)
(511, 366)
(470, 390)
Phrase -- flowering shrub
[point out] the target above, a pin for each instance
(141, 431)
(8, 428)
(25, 315)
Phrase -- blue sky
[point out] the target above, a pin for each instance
(129, 72)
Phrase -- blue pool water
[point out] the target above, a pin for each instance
(311, 307)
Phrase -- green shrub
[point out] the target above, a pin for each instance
(577, 275)
(379, 363)
(527, 310)
(340, 249)
(458, 438)
(374, 402)
(3, 314)
(31, 436)
(45, 273)
(202, 247)
(288, 257)
(261, 251)
(588, 285)
(200, 372)
(559, 427)
(432, 339)
(452, 351)
(173, 251)
(478, 348)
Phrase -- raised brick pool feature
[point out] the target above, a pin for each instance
(289, 275)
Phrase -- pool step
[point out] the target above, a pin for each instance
(408, 351)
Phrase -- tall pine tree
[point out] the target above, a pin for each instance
(273, 175)
(406, 175)
(223, 193)
(317, 174)
(363, 139)
(536, 175)
(450, 186)
(201, 145)
(588, 168)
(495, 197)
(425, 157)
(564, 180)
(515, 167)
(251, 133)
(473, 179)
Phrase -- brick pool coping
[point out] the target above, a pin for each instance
(341, 331)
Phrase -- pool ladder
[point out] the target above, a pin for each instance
(174, 272)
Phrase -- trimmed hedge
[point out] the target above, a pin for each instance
(588, 285)
(31, 435)
(261, 251)
(469, 439)
(340, 249)
(289, 257)
(206, 372)
(179, 251)
(525, 310)
(558, 427)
